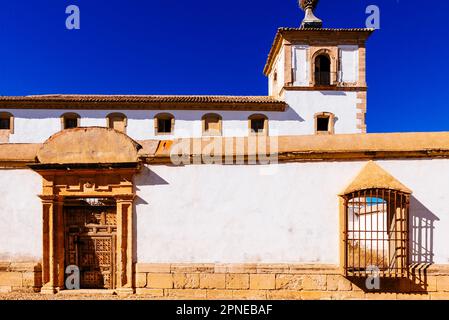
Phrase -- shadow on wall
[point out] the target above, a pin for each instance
(422, 226)
(333, 93)
(421, 237)
(146, 177)
(421, 255)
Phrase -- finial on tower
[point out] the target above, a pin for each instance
(310, 21)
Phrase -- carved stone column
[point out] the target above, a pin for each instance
(53, 244)
(60, 244)
(125, 244)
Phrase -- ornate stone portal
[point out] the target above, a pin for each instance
(102, 167)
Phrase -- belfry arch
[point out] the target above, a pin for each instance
(86, 181)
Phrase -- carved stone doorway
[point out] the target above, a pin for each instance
(88, 164)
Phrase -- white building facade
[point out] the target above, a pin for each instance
(261, 205)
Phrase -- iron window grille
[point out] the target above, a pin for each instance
(376, 235)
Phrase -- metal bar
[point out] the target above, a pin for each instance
(353, 233)
(385, 234)
(365, 193)
(359, 236)
(395, 254)
(371, 247)
(407, 235)
(346, 237)
(401, 233)
(377, 228)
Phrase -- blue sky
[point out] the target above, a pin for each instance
(220, 47)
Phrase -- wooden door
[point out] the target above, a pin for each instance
(90, 233)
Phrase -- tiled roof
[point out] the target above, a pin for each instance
(305, 31)
(143, 101)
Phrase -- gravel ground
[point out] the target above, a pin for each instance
(38, 296)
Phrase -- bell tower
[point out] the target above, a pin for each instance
(318, 71)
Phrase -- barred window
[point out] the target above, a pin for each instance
(376, 232)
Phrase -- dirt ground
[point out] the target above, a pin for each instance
(38, 296)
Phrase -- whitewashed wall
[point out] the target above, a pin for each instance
(274, 87)
(305, 104)
(233, 214)
(36, 126)
(20, 216)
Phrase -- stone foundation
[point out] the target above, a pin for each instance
(281, 281)
(252, 281)
(20, 276)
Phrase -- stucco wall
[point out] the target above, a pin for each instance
(305, 104)
(20, 216)
(233, 214)
(36, 126)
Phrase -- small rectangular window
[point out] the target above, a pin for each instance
(257, 125)
(212, 125)
(322, 124)
(5, 124)
(164, 126)
(70, 123)
(118, 124)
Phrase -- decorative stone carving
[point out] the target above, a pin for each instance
(112, 185)
(304, 4)
(310, 20)
(92, 145)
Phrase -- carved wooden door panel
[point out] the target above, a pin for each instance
(90, 244)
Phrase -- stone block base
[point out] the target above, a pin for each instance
(20, 276)
(281, 282)
(250, 281)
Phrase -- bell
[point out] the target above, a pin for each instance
(310, 20)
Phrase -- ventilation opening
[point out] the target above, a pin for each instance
(164, 126)
(5, 124)
(257, 125)
(70, 123)
(322, 124)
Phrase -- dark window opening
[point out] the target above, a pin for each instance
(5, 124)
(322, 124)
(257, 125)
(70, 123)
(322, 71)
(164, 125)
